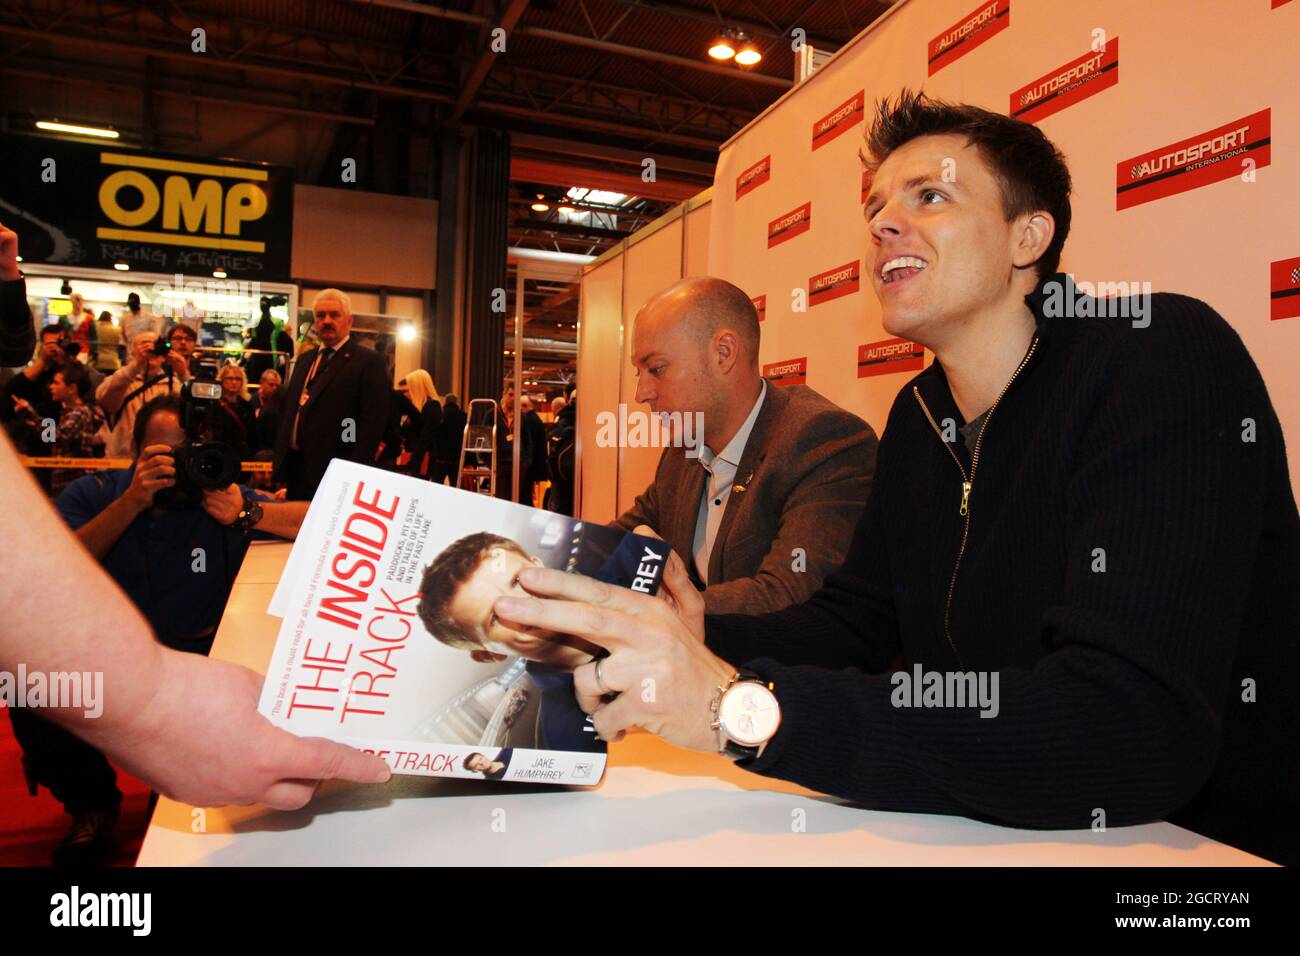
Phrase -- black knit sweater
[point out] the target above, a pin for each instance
(1120, 690)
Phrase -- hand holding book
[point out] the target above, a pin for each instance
(658, 666)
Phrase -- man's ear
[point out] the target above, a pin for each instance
(483, 656)
(726, 349)
(1035, 235)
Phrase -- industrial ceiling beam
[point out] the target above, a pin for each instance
(592, 43)
(752, 27)
(613, 154)
(80, 79)
(247, 66)
(486, 58)
(602, 126)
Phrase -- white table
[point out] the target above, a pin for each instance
(658, 804)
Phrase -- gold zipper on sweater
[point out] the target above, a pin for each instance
(967, 483)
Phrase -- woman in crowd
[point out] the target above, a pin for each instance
(238, 427)
(421, 438)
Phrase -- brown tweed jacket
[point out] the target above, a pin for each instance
(802, 483)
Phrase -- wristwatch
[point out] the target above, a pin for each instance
(249, 516)
(746, 715)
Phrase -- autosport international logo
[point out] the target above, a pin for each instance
(1077, 80)
(788, 372)
(760, 306)
(754, 176)
(833, 283)
(1284, 289)
(838, 121)
(1199, 160)
(794, 223)
(890, 356)
(979, 26)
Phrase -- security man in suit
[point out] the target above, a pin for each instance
(336, 403)
(768, 505)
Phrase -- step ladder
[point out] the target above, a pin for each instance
(478, 449)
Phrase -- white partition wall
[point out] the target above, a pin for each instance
(649, 266)
(600, 341)
(613, 289)
(1181, 123)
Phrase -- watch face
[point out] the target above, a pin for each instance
(749, 713)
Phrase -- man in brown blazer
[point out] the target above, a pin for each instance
(768, 505)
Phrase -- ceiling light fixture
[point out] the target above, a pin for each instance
(53, 126)
(722, 49)
(748, 55)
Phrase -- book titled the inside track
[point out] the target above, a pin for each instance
(388, 641)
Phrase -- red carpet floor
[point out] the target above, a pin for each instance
(30, 827)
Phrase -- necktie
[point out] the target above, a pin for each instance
(317, 367)
(325, 356)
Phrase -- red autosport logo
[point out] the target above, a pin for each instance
(985, 22)
(1077, 80)
(754, 176)
(1284, 289)
(839, 120)
(794, 223)
(889, 356)
(833, 283)
(787, 372)
(1208, 157)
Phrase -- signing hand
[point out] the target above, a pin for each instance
(664, 676)
(224, 506)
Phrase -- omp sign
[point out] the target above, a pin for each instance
(180, 204)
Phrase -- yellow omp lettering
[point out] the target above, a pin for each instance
(109, 189)
(244, 202)
(199, 208)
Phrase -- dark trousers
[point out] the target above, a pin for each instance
(300, 485)
(443, 472)
(79, 776)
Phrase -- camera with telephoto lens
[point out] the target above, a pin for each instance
(201, 463)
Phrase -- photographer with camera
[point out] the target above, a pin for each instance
(155, 369)
(171, 531)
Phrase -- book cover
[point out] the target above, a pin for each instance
(388, 641)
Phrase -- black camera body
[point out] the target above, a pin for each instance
(202, 464)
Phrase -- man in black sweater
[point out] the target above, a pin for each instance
(1081, 516)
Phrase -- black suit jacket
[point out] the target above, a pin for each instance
(17, 330)
(354, 385)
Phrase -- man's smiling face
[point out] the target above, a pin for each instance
(940, 250)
